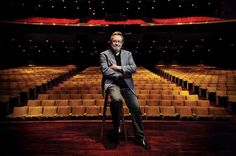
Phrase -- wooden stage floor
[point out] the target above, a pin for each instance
(81, 137)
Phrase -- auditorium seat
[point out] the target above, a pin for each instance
(152, 112)
(179, 97)
(143, 92)
(75, 96)
(94, 91)
(86, 96)
(99, 102)
(184, 92)
(34, 103)
(165, 92)
(165, 103)
(72, 91)
(88, 102)
(143, 96)
(97, 96)
(146, 88)
(83, 91)
(35, 112)
(75, 102)
(65, 96)
(166, 97)
(155, 96)
(93, 111)
(142, 102)
(219, 113)
(190, 103)
(142, 108)
(19, 112)
(231, 103)
(177, 102)
(192, 97)
(202, 113)
(175, 92)
(61, 102)
(152, 102)
(43, 96)
(49, 112)
(155, 91)
(203, 103)
(54, 96)
(63, 111)
(108, 111)
(48, 102)
(185, 113)
(168, 112)
(77, 111)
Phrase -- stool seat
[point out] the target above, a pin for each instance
(104, 118)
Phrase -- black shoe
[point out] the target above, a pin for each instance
(115, 136)
(113, 140)
(144, 144)
(111, 144)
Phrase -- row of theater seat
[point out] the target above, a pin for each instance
(99, 96)
(148, 112)
(88, 97)
(149, 84)
(23, 83)
(99, 91)
(97, 86)
(212, 83)
(99, 102)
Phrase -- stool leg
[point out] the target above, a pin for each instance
(123, 123)
(103, 117)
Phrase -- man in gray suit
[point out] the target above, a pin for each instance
(117, 66)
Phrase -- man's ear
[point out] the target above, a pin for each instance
(109, 42)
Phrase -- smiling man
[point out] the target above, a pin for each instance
(117, 66)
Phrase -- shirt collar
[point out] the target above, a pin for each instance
(116, 54)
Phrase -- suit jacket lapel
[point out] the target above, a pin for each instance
(112, 57)
(122, 58)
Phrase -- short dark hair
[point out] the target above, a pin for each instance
(117, 33)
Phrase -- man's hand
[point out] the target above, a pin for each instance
(115, 67)
(125, 76)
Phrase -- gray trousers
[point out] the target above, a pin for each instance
(117, 94)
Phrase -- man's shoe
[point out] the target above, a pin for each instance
(115, 135)
(113, 140)
(112, 144)
(144, 144)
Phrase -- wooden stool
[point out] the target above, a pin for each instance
(104, 119)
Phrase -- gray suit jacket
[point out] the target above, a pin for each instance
(107, 58)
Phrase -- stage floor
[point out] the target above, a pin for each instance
(81, 137)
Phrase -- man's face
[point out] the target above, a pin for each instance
(116, 43)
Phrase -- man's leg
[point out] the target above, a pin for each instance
(115, 106)
(133, 105)
(132, 102)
